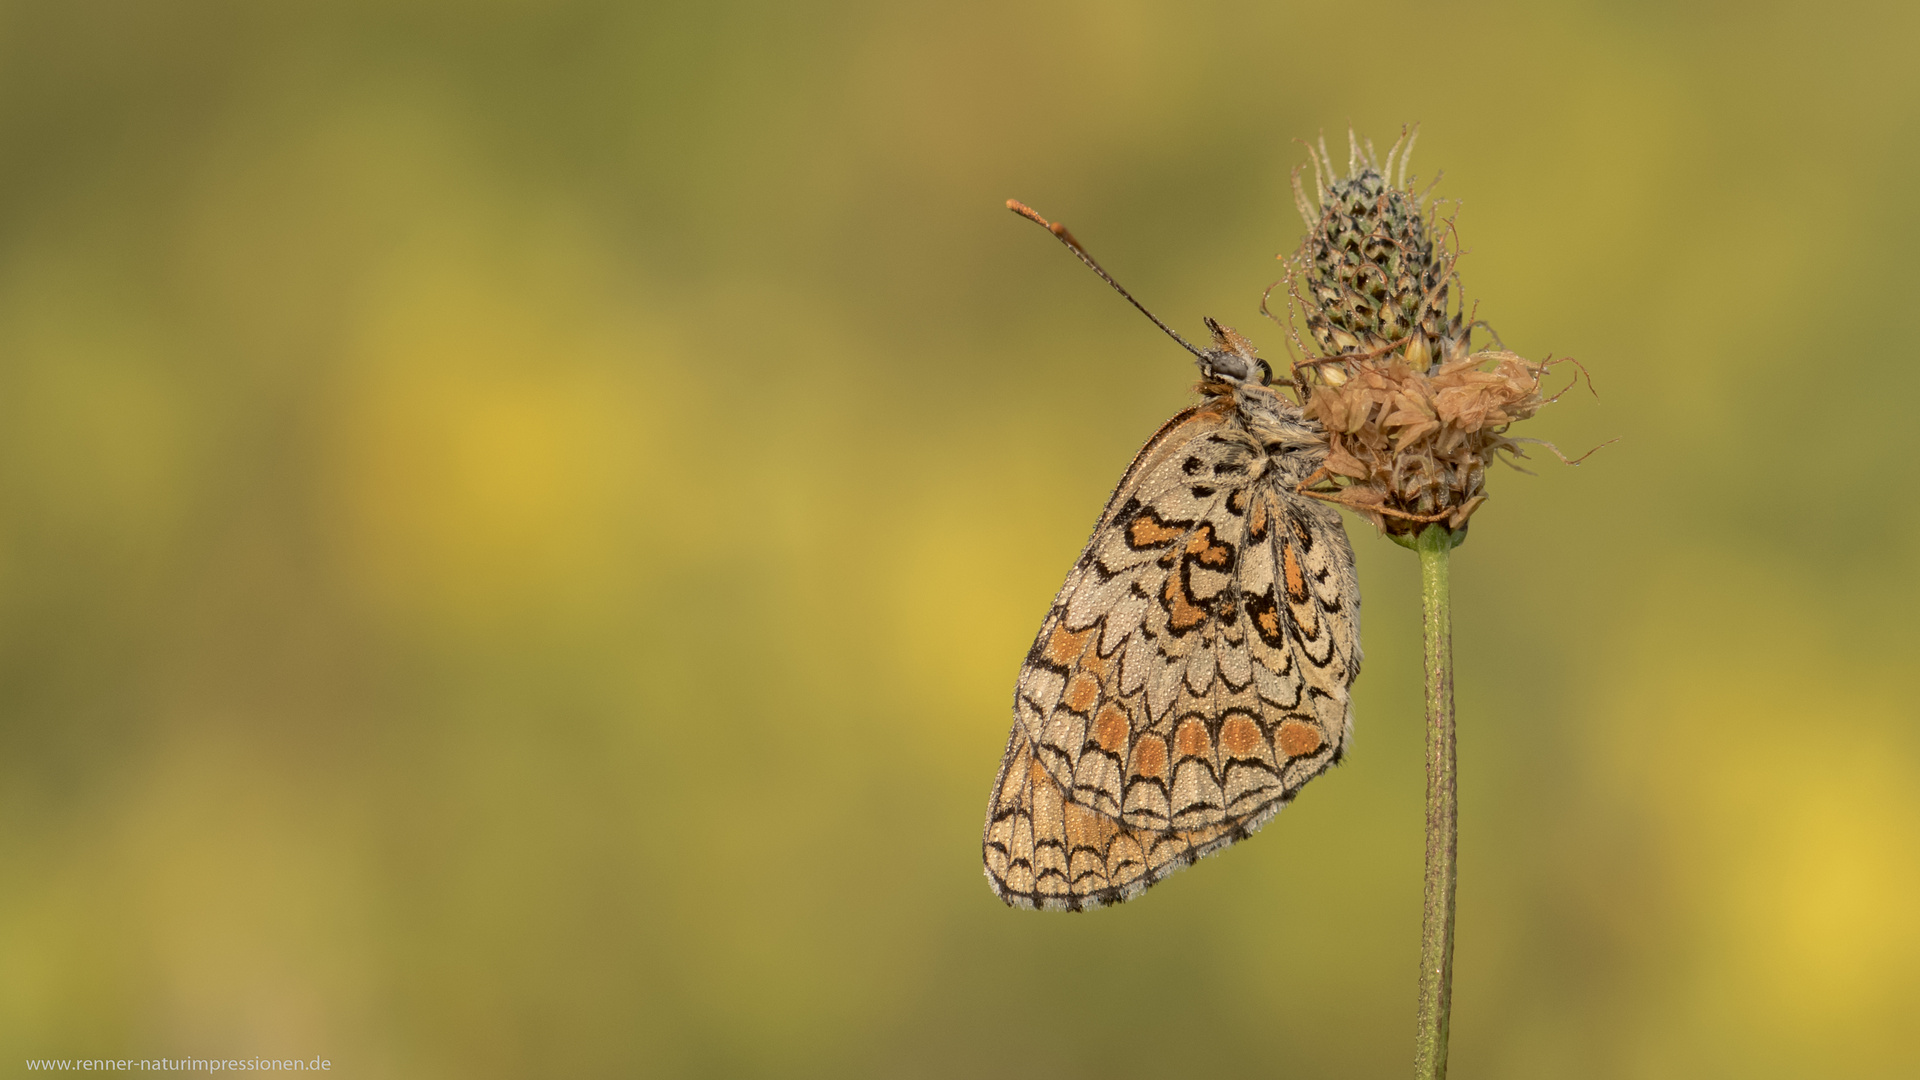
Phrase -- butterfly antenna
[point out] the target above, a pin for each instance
(1060, 232)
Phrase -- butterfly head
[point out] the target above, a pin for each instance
(1232, 359)
(1231, 369)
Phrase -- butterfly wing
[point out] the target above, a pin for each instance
(1044, 851)
(1190, 677)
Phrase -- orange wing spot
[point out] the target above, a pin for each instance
(1210, 553)
(1270, 623)
(1257, 524)
(1145, 530)
(1296, 584)
(1086, 828)
(1110, 729)
(1180, 609)
(1150, 757)
(1064, 646)
(1298, 739)
(1191, 740)
(1241, 737)
(1096, 665)
(1082, 691)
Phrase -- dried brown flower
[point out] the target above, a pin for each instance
(1413, 414)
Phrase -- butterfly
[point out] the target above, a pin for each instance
(1194, 671)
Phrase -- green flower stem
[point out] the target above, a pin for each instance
(1436, 930)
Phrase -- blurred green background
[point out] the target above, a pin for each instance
(518, 522)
